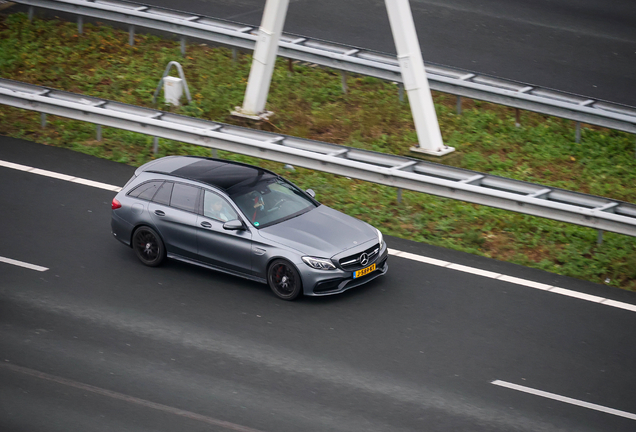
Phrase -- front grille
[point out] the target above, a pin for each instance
(352, 262)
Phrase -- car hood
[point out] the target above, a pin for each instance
(321, 232)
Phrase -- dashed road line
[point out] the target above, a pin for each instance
(565, 399)
(393, 252)
(23, 264)
(513, 280)
(130, 399)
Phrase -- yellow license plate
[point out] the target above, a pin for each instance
(364, 271)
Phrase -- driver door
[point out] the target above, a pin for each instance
(218, 246)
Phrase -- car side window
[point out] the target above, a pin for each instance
(184, 197)
(146, 191)
(216, 207)
(163, 194)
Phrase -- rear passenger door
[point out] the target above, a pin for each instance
(174, 213)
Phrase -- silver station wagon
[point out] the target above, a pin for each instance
(246, 221)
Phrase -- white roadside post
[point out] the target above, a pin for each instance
(414, 78)
(172, 90)
(263, 61)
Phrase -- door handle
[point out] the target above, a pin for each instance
(159, 213)
(206, 224)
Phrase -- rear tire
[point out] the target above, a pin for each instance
(284, 280)
(148, 246)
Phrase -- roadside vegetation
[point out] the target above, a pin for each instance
(309, 102)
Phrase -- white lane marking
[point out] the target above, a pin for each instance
(565, 399)
(51, 174)
(576, 294)
(59, 176)
(129, 399)
(419, 258)
(525, 282)
(474, 270)
(22, 264)
(513, 280)
(96, 184)
(14, 166)
(621, 305)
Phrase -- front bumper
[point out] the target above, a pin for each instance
(323, 283)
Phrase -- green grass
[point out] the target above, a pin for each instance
(309, 103)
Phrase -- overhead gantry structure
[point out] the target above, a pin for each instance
(409, 57)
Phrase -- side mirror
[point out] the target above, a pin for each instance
(311, 193)
(233, 225)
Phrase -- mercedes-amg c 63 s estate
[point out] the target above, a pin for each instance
(246, 221)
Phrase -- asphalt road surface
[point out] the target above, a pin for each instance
(98, 342)
(586, 47)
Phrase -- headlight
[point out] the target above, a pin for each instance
(380, 238)
(319, 263)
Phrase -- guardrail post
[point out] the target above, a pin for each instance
(401, 92)
(263, 60)
(155, 145)
(415, 79)
(577, 133)
(80, 24)
(399, 195)
(599, 239)
(183, 45)
(517, 117)
(234, 55)
(99, 132)
(215, 155)
(131, 35)
(31, 12)
(458, 105)
(43, 120)
(343, 81)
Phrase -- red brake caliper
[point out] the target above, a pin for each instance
(279, 272)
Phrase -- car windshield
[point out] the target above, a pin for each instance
(268, 200)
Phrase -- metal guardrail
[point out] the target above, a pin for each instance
(397, 171)
(357, 60)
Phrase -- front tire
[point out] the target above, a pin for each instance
(148, 246)
(284, 280)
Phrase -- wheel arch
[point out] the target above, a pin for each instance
(280, 257)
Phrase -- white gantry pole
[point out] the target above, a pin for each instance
(414, 78)
(264, 60)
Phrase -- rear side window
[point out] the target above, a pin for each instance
(145, 191)
(163, 194)
(184, 197)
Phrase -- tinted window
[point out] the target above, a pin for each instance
(163, 194)
(270, 200)
(184, 197)
(215, 207)
(145, 191)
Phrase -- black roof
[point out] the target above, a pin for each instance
(222, 174)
